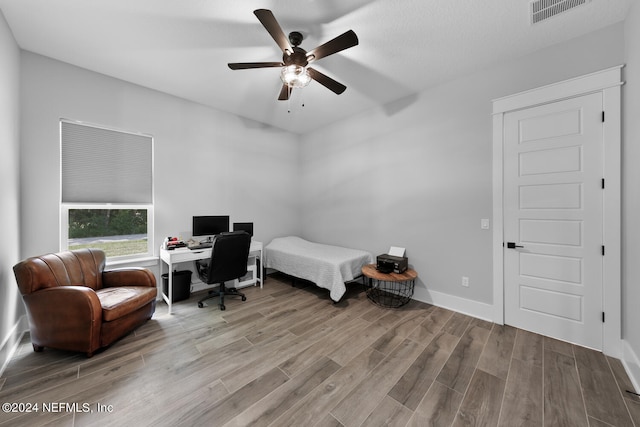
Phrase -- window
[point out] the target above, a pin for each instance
(106, 190)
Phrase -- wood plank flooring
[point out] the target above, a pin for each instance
(288, 356)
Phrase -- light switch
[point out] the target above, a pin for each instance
(484, 223)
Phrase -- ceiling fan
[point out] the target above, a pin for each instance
(295, 71)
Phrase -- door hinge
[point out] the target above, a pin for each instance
(602, 250)
(603, 117)
(603, 317)
(603, 183)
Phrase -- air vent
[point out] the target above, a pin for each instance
(545, 9)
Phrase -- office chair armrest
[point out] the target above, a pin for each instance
(132, 276)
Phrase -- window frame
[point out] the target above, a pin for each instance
(149, 207)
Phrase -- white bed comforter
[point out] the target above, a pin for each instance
(327, 266)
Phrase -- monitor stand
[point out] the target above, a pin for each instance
(209, 239)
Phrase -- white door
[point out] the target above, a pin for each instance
(553, 204)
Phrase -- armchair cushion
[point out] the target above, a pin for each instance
(118, 301)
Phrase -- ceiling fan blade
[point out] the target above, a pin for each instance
(248, 65)
(284, 93)
(342, 42)
(269, 22)
(326, 81)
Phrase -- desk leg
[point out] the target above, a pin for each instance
(170, 285)
(262, 269)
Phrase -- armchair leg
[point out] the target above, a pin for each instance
(37, 348)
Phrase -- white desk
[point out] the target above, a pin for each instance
(179, 255)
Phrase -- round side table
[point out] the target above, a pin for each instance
(389, 290)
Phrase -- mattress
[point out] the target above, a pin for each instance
(328, 266)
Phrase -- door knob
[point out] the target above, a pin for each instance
(512, 245)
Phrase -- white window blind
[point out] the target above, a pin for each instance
(105, 166)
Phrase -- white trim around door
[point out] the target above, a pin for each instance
(608, 82)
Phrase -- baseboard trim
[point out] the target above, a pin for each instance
(462, 305)
(11, 341)
(631, 364)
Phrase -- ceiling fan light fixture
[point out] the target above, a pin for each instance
(295, 76)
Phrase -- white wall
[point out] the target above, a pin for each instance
(417, 174)
(630, 197)
(207, 162)
(11, 303)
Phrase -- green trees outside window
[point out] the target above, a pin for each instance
(116, 231)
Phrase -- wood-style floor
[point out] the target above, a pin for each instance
(288, 356)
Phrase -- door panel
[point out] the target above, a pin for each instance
(554, 160)
(551, 196)
(540, 127)
(553, 209)
(563, 305)
(558, 268)
(551, 232)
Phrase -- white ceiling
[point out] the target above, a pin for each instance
(183, 47)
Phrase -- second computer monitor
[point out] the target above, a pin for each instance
(245, 226)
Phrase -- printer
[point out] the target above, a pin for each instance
(392, 262)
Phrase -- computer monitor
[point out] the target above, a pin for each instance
(245, 226)
(210, 225)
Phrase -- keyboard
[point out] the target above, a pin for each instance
(201, 246)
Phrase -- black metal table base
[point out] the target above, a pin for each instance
(390, 294)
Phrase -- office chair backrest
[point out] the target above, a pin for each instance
(229, 255)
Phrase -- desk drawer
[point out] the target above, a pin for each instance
(183, 255)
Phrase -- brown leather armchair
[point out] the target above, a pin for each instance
(73, 304)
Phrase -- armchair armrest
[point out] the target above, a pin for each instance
(66, 317)
(132, 276)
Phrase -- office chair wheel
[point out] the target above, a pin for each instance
(200, 305)
(244, 298)
(222, 307)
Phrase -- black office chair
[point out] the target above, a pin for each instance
(229, 257)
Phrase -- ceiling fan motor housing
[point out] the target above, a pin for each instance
(297, 57)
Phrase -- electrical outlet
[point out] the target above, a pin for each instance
(484, 223)
(465, 281)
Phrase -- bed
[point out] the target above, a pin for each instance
(328, 266)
